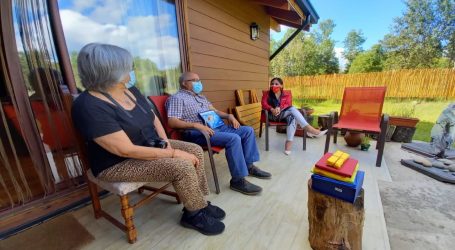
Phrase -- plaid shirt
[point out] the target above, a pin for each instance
(186, 106)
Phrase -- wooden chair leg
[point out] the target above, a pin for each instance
(266, 137)
(127, 213)
(96, 204)
(335, 135)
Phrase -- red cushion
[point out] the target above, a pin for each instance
(215, 149)
(365, 125)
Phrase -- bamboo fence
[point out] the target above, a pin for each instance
(415, 83)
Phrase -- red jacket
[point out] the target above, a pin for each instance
(285, 99)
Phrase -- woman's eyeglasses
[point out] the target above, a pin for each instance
(274, 84)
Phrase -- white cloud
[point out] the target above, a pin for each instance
(143, 36)
(341, 59)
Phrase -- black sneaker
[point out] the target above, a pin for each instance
(202, 222)
(245, 187)
(258, 173)
(214, 211)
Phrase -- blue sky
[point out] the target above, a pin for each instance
(373, 17)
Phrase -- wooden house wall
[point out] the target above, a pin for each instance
(221, 51)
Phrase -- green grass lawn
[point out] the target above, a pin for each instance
(426, 111)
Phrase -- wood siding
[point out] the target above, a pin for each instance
(221, 51)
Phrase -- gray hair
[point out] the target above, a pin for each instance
(183, 76)
(101, 66)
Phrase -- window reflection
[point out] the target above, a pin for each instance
(148, 29)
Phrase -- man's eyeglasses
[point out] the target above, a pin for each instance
(192, 80)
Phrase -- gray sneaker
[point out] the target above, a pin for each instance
(245, 187)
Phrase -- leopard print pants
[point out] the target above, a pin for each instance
(189, 182)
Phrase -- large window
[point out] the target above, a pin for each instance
(147, 28)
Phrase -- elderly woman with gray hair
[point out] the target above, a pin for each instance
(127, 143)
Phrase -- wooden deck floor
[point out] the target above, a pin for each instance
(276, 219)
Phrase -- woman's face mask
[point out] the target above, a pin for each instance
(197, 87)
(132, 80)
(276, 89)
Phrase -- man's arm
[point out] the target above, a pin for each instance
(176, 123)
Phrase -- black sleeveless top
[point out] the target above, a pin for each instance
(94, 118)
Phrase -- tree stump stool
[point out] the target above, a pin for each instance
(334, 224)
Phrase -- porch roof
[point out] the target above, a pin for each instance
(292, 13)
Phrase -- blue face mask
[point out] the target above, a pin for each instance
(197, 87)
(132, 80)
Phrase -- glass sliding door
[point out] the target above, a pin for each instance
(38, 150)
(148, 29)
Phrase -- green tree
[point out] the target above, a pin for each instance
(307, 54)
(419, 38)
(368, 61)
(353, 46)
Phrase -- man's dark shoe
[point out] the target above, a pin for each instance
(258, 173)
(202, 222)
(245, 187)
(215, 211)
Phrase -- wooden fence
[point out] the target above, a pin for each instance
(416, 83)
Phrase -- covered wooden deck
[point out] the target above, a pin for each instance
(276, 219)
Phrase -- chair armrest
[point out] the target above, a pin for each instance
(207, 139)
(333, 118)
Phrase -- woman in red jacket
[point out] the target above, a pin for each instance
(279, 103)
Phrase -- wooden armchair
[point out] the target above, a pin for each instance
(121, 189)
(361, 111)
(159, 105)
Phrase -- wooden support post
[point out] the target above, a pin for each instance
(334, 224)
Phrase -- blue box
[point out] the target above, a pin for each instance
(338, 189)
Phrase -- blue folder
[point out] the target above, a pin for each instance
(211, 119)
(338, 189)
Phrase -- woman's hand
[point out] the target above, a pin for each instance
(185, 156)
(233, 121)
(275, 111)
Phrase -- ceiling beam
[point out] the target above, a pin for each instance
(289, 16)
(296, 8)
(278, 4)
(274, 25)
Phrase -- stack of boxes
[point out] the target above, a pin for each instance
(337, 175)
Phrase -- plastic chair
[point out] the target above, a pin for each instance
(159, 105)
(265, 120)
(361, 111)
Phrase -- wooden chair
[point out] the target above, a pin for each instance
(159, 105)
(249, 115)
(121, 189)
(361, 111)
(265, 120)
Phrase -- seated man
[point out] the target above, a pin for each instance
(183, 110)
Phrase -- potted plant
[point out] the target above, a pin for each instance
(402, 124)
(365, 144)
(308, 110)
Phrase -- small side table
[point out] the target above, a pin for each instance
(323, 121)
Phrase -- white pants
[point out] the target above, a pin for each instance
(297, 118)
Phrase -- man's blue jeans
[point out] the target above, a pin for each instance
(240, 146)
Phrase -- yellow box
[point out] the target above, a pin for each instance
(328, 174)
